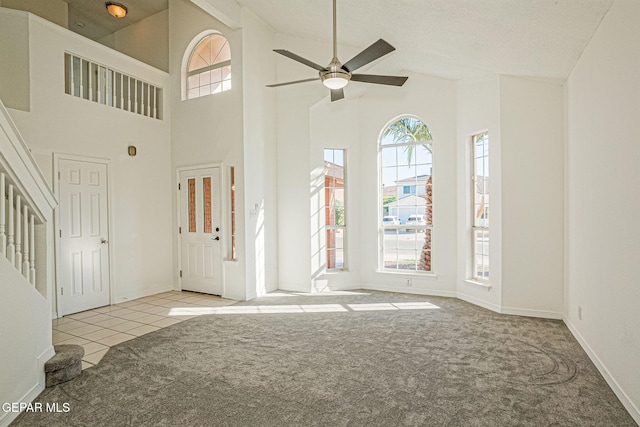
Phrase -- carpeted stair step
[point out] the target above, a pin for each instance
(65, 365)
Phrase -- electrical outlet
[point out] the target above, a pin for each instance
(580, 312)
(407, 282)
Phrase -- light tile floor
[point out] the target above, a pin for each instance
(97, 330)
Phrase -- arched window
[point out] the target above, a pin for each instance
(406, 195)
(208, 70)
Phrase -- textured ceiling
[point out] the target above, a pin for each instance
(95, 21)
(449, 38)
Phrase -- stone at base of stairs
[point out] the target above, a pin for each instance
(65, 365)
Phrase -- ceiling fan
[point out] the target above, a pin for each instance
(336, 75)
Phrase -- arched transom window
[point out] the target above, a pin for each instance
(209, 67)
(406, 196)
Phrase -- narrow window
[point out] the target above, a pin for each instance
(192, 204)
(335, 213)
(407, 196)
(232, 196)
(206, 190)
(480, 194)
(209, 67)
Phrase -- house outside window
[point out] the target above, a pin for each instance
(480, 213)
(335, 208)
(406, 223)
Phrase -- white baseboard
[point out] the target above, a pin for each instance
(7, 418)
(415, 290)
(478, 302)
(626, 402)
(145, 292)
(532, 313)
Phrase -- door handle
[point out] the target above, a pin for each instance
(215, 238)
(104, 241)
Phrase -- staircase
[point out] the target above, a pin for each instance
(26, 270)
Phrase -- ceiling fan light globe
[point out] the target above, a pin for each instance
(337, 82)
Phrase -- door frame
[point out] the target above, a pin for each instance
(223, 219)
(56, 221)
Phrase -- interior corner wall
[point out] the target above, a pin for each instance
(209, 130)
(478, 110)
(293, 104)
(140, 187)
(532, 175)
(15, 86)
(604, 201)
(56, 11)
(259, 133)
(147, 40)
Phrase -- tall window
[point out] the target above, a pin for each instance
(209, 67)
(480, 194)
(407, 196)
(335, 214)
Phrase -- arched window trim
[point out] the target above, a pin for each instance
(399, 228)
(186, 58)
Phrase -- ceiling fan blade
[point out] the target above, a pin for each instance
(294, 82)
(381, 80)
(300, 59)
(337, 94)
(370, 54)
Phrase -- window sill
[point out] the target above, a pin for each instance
(485, 285)
(412, 273)
(337, 271)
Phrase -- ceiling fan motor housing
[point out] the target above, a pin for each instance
(335, 77)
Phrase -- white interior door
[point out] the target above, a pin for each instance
(83, 234)
(200, 226)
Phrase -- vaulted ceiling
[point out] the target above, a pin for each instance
(450, 38)
(446, 38)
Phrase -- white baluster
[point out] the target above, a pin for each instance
(11, 249)
(32, 250)
(25, 249)
(18, 259)
(3, 213)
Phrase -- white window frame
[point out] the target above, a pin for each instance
(338, 227)
(479, 227)
(189, 73)
(381, 227)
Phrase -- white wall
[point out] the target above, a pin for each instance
(25, 333)
(260, 162)
(335, 125)
(209, 129)
(604, 201)
(146, 40)
(478, 110)
(532, 170)
(140, 234)
(293, 158)
(14, 73)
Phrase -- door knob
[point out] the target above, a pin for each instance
(215, 238)
(104, 241)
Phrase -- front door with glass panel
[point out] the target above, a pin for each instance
(200, 230)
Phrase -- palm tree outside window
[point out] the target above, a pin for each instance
(406, 163)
